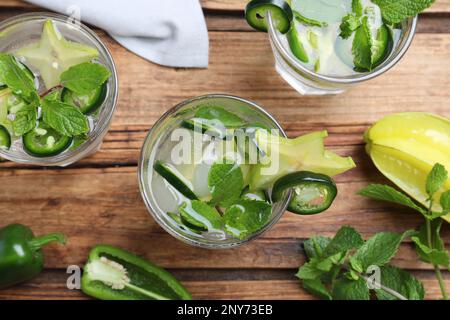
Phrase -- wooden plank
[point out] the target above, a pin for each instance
(221, 5)
(232, 21)
(51, 285)
(103, 205)
(239, 5)
(148, 90)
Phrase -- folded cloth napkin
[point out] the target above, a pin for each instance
(167, 32)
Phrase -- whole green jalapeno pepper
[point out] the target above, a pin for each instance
(21, 257)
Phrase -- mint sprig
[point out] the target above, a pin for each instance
(85, 77)
(429, 244)
(399, 281)
(362, 46)
(378, 250)
(335, 271)
(246, 217)
(24, 120)
(396, 11)
(64, 118)
(386, 193)
(225, 181)
(349, 24)
(16, 78)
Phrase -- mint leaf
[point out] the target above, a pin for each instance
(201, 215)
(445, 202)
(346, 289)
(401, 282)
(327, 264)
(307, 21)
(315, 246)
(433, 256)
(25, 120)
(228, 119)
(437, 253)
(309, 270)
(246, 217)
(348, 25)
(436, 179)
(15, 76)
(362, 46)
(64, 118)
(345, 239)
(316, 287)
(378, 250)
(389, 194)
(85, 77)
(395, 11)
(225, 181)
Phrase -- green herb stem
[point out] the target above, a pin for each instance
(51, 90)
(437, 271)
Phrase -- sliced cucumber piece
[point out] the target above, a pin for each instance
(5, 138)
(175, 178)
(182, 224)
(257, 10)
(209, 127)
(382, 45)
(200, 216)
(88, 103)
(296, 45)
(312, 192)
(225, 117)
(44, 141)
(254, 195)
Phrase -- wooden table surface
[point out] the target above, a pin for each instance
(97, 200)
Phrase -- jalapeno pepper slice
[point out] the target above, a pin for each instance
(44, 141)
(256, 14)
(312, 192)
(5, 138)
(87, 103)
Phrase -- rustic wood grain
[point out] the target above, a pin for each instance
(220, 5)
(148, 90)
(103, 205)
(237, 5)
(97, 200)
(52, 285)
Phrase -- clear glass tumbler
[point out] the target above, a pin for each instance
(23, 29)
(307, 82)
(156, 141)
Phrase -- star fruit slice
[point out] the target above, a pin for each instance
(53, 54)
(305, 153)
(406, 146)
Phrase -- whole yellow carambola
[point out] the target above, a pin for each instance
(405, 146)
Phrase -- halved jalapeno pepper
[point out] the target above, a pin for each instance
(312, 192)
